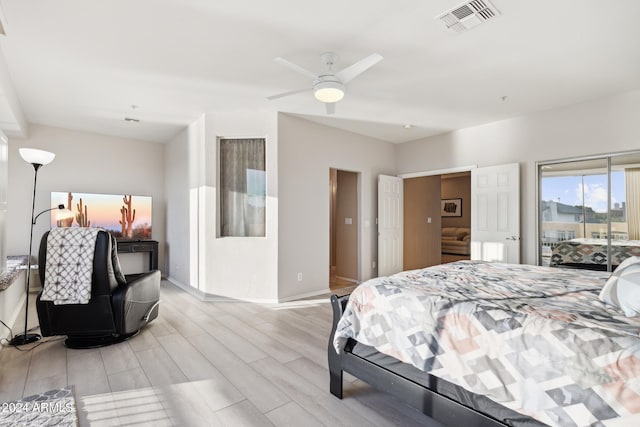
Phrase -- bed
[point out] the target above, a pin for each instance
(490, 344)
(592, 253)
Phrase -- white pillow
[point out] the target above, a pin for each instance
(627, 262)
(623, 287)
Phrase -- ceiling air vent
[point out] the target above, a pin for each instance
(468, 15)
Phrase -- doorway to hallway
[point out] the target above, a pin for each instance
(343, 229)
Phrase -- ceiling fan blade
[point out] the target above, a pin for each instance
(359, 67)
(292, 92)
(295, 67)
(331, 107)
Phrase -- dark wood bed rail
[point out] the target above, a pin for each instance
(440, 408)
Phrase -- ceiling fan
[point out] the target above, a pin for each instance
(329, 87)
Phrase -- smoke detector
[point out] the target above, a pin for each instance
(131, 119)
(468, 15)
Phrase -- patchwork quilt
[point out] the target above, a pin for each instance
(592, 251)
(534, 339)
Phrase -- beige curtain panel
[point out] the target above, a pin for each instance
(632, 185)
(242, 187)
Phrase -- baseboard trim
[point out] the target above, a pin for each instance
(305, 295)
(346, 279)
(204, 296)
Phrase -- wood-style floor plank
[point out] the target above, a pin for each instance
(242, 414)
(47, 369)
(319, 376)
(97, 410)
(220, 363)
(322, 405)
(270, 346)
(190, 361)
(144, 340)
(85, 370)
(241, 347)
(159, 367)
(118, 358)
(13, 374)
(142, 406)
(131, 379)
(290, 415)
(293, 338)
(182, 324)
(251, 383)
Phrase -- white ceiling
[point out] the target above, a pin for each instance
(81, 64)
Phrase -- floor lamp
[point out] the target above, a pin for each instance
(37, 158)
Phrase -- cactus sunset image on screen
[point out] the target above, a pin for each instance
(125, 216)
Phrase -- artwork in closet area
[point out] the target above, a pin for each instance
(451, 207)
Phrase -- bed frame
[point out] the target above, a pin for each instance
(431, 403)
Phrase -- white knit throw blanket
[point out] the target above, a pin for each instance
(69, 265)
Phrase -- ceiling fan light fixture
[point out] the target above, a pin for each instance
(328, 91)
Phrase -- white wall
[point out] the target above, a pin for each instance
(4, 183)
(178, 182)
(299, 156)
(12, 298)
(607, 125)
(241, 267)
(236, 267)
(12, 301)
(84, 162)
(306, 152)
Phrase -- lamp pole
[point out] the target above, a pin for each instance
(26, 338)
(37, 158)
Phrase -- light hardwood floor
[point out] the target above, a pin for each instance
(208, 363)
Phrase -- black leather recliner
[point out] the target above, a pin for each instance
(117, 309)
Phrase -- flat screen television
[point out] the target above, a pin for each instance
(125, 216)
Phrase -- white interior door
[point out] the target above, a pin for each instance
(495, 213)
(390, 217)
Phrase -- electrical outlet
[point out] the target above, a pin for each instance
(299, 277)
(373, 264)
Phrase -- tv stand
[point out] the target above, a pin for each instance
(134, 246)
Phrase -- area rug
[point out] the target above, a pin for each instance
(51, 408)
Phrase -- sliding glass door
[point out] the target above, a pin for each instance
(589, 211)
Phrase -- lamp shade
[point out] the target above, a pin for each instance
(328, 91)
(36, 157)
